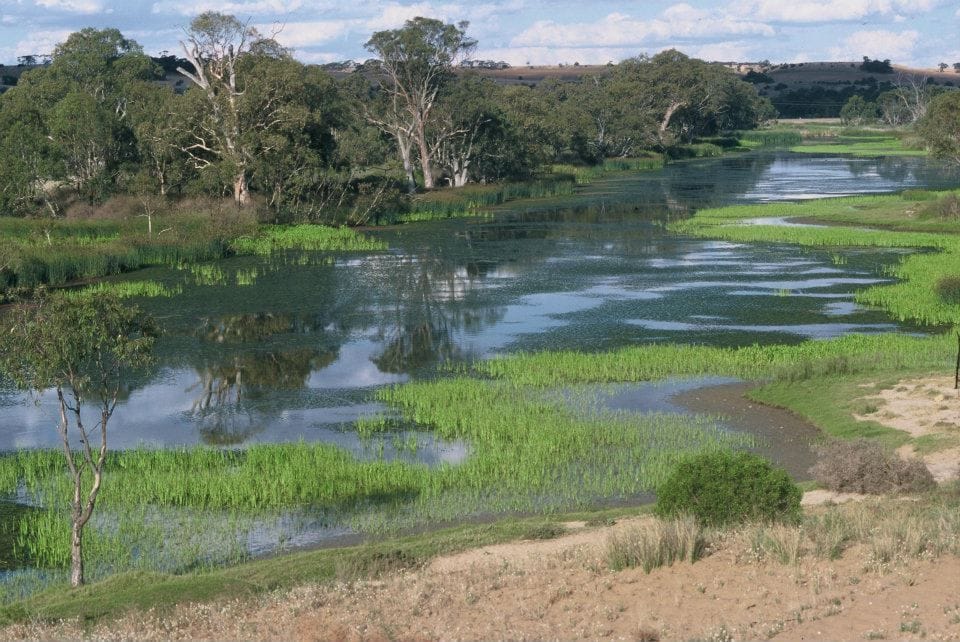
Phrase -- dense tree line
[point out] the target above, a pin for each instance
(250, 122)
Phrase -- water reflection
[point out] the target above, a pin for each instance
(298, 351)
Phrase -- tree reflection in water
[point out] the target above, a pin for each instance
(219, 396)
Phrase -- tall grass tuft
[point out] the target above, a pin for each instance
(656, 544)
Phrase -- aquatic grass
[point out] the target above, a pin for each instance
(871, 146)
(472, 200)
(528, 452)
(274, 238)
(841, 355)
(769, 138)
(123, 290)
(913, 298)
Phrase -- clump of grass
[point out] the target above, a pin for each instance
(273, 238)
(771, 137)
(546, 530)
(124, 290)
(657, 543)
(371, 562)
(863, 466)
(948, 289)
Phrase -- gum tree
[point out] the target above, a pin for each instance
(220, 49)
(416, 60)
(82, 350)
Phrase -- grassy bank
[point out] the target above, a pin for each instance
(43, 252)
(145, 590)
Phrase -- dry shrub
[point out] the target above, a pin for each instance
(657, 544)
(863, 466)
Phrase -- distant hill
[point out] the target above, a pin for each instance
(805, 89)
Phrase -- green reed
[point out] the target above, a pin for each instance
(770, 138)
(274, 238)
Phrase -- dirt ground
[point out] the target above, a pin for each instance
(926, 408)
(562, 588)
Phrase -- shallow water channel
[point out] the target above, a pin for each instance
(293, 347)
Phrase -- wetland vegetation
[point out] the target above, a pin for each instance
(316, 383)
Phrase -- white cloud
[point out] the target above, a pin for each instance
(877, 44)
(306, 34)
(237, 7)
(721, 51)
(40, 42)
(74, 6)
(393, 15)
(828, 10)
(620, 30)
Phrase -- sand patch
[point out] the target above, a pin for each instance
(928, 407)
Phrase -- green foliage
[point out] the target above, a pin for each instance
(724, 488)
(273, 238)
(80, 344)
(948, 289)
(770, 137)
(940, 127)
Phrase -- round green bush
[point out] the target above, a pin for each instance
(725, 488)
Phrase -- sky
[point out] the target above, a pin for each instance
(539, 32)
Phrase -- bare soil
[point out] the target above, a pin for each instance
(928, 409)
(561, 589)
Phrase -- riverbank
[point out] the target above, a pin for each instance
(876, 569)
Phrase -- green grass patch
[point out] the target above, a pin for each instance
(274, 238)
(861, 146)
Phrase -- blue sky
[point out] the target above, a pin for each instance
(914, 32)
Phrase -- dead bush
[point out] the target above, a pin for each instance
(863, 466)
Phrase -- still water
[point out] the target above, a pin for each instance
(293, 347)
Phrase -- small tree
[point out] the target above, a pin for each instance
(942, 66)
(82, 349)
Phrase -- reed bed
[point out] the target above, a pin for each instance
(274, 238)
(470, 201)
(124, 290)
(528, 451)
(40, 252)
(841, 355)
(769, 138)
(864, 147)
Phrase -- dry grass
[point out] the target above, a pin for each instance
(656, 543)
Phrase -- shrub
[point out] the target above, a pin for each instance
(948, 288)
(863, 466)
(722, 488)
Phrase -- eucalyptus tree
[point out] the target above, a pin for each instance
(240, 102)
(72, 116)
(940, 126)
(415, 61)
(83, 350)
